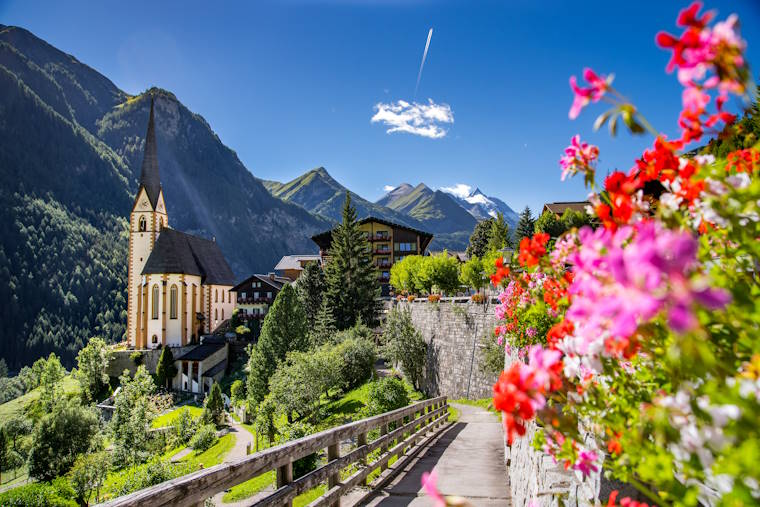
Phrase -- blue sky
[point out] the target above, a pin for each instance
(292, 85)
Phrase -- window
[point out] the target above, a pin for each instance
(154, 339)
(269, 295)
(173, 302)
(154, 302)
(141, 227)
(216, 296)
(222, 313)
(405, 247)
(161, 224)
(242, 295)
(255, 295)
(216, 313)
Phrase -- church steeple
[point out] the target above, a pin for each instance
(149, 178)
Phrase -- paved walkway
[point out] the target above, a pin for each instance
(469, 459)
(243, 437)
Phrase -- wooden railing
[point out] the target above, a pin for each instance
(398, 430)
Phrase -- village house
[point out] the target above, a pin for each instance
(389, 242)
(255, 295)
(559, 208)
(291, 266)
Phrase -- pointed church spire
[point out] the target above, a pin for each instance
(149, 178)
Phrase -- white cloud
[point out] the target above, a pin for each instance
(418, 119)
(388, 188)
(460, 190)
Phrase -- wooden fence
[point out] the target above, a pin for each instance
(397, 431)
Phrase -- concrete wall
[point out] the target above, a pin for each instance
(454, 332)
(122, 359)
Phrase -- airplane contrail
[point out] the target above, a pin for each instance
(422, 64)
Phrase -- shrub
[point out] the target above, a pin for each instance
(356, 360)
(386, 394)
(185, 426)
(146, 475)
(55, 494)
(295, 431)
(136, 358)
(204, 438)
(478, 298)
(404, 345)
(434, 298)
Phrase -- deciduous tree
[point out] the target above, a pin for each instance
(92, 368)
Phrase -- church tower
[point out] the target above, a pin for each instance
(146, 220)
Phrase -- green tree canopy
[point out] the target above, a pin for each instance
(133, 413)
(51, 375)
(404, 345)
(352, 287)
(59, 438)
(404, 274)
(549, 223)
(92, 368)
(213, 407)
(472, 274)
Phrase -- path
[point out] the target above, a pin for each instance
(469, 459)
(243, 437)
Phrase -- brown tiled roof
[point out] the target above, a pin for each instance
(177, 252)
(560, 207)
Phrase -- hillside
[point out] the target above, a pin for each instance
(437, 210)
(69, 162)
(318, 192)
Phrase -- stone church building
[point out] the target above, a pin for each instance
(180, 286)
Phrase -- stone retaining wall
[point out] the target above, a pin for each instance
(122, 359)
(454, 331)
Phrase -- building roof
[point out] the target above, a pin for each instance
(460, 256)
(294, 261)
(323, 239)
(178, 252)
(275, 281)
(201, 352)
(560, 207)
(149, 178)
(217, 368)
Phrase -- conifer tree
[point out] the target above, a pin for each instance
(284, 330)
(525, 225)
(213, 407)
(353, 290)
(324, 327)
(166, 370)
(311, 286)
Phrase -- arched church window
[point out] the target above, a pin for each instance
(173, 302)
(216, 313)
(216, 295)
(141, 225)
(222, 313)
(154, 339)
(154, 302)
(161, 224)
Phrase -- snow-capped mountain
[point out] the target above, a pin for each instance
(480, 205)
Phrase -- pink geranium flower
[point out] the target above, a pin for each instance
(579, 157)
(594, 93)
(429, 484)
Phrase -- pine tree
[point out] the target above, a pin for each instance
(285, 329)
(352, 288)
(213, 407)
(499, 234)
(479, 238)
(525, 225)
(166, 370)
(324, 327)
(311, 285)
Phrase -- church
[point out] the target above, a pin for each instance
(180, 286)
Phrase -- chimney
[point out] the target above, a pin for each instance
(271, 276)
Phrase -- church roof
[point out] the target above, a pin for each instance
(149, 178)
(177, 252)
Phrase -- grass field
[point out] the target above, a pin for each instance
(21, 404)
(214, 454)
(168, 418)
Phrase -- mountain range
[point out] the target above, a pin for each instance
(70, 156)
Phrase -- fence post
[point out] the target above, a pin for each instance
(384, 447)
(333, 453)
(284, 477)
(362, 440)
